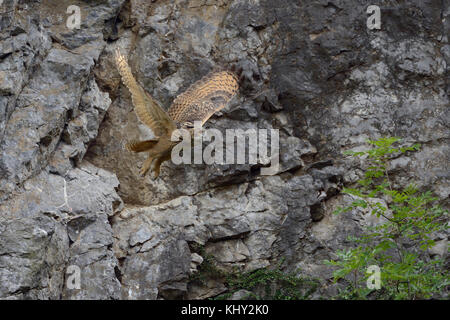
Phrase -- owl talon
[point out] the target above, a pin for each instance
(155, 176)
(155, 172)
(143, 171)
(146, 166)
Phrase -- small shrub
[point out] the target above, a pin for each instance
(263, 283)
(398, 245)
(273, 284)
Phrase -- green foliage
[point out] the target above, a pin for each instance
(273, 284)
(207, 268)
(263, 283)
(410, 218)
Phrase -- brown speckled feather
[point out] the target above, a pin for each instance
(140, 146)
(202, 99)
(146, 108)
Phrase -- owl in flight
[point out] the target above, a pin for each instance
(198, 103)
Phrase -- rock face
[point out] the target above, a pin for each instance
(71, 196)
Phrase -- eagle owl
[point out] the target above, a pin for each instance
(198, 103)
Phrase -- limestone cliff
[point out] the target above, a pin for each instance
(71, 195)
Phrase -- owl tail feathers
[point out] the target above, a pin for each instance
(140, 146)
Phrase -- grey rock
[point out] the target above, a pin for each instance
(68, 225)
(211, 288)
(440, 248)
(241, 295)
(196, 260)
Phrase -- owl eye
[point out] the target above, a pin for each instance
(188, 124)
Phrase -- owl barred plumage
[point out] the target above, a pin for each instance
(198, 103)
(206, 96)
(146, 108)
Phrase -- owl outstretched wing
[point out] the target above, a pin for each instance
(147, 109)
(205, 97)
